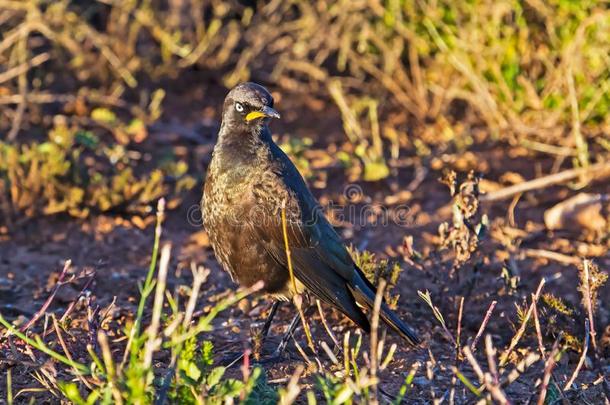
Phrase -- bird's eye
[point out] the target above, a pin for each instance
(239, 107)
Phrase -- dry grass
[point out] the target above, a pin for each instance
(530, 73)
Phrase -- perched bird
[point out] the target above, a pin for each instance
(250, 181)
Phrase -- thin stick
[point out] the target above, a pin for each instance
(538, 329)
(519, 334)
(110, 368)
(146, 287)
(80, 294)
(581, 361)
(587, 295)
(520, 369)
(473, 345)
(511, 209)
(389, 356)
(459, 329)
(22, 83)
(326, 327)
(375, 338)
(458, 349)
(464, 381)
(297, 297)
(437, 314)
(599, 170)
(292, 390)
(490, 351)
(24, 67)
(329, 353)
(43, 309)
(550, 255)
(287, 248)
(200, 275)
(67, 352)
(153, 329)
(346, 355)
(38, 344)
(486, 378)
(548, 369)
(9, 387)
(301, 351)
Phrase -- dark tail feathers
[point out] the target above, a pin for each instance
(364, 294)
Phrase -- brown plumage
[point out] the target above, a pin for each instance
(248, 182)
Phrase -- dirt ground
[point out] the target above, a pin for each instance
(117, 249)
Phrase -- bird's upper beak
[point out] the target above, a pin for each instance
(265, 112)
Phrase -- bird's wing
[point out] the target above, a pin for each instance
(319, 259)
(310, 235)
(316, 262)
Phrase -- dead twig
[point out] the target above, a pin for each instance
(486, 378)
(153, 328)
(548, 369)
(538, 330)
(459, 329)
(550, 255)
(490, 351)
(80, 294)
(22, 83)
(519, 334)
(599, 170)
(581, 361)
(437, 314)
(375, 339)
(24, 67)
(67, 352)
(519, 369)
(325, 324)
(43, 309)
(297, 298)
(458, 349)
(473, 345)
(292, 390)
(587, 296)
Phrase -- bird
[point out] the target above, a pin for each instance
(250, 183)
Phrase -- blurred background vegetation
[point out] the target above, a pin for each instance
(83, 82)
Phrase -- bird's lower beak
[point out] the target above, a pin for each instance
(265, 112)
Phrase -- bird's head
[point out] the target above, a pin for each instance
(247, 106)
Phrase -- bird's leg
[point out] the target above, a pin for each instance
(293, 325)
(264, 331)
(282, 346)
(267, 325)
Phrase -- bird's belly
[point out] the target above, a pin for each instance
(233, 217)
(244, 256)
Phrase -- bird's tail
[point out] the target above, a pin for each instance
(364, 293)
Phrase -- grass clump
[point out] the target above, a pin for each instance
(376, 269)
(75, 171)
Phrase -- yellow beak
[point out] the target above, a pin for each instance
(265, 112)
